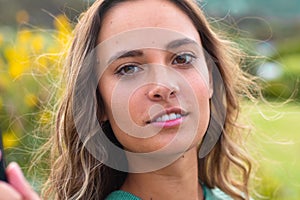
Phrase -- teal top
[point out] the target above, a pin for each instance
(209, 194)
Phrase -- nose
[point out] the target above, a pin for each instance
(163, 80)
(159, 92)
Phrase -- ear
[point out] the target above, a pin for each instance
(211, 82)
(210, 65)
(101, 115)
(104, 118)
(101, 112)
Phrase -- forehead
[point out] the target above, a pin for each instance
(139, 14)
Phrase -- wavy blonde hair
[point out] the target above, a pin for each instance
(76, 174)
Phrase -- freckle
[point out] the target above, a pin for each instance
(182, 156)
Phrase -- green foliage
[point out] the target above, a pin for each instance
(289, 48)
(285, 86)
(29, 68)
(276, 144)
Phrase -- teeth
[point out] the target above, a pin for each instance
(158, 119)
(168, 117)
(172, 116)
(165, 118)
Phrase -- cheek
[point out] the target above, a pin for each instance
(198, 87)
(199, 82)
(125, 104)
(137, 105)
(201, 109)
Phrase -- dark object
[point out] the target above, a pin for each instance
(2, 163)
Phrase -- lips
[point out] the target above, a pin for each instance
(168, 115)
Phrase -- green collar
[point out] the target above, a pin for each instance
(209, 194)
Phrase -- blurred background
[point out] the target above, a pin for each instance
(34, 36)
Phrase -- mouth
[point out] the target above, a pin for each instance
(168, 115)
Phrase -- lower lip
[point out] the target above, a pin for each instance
(169, 123)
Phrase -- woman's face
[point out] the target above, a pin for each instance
(155, 83)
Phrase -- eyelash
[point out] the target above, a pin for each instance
(120, 71)
(190, 60)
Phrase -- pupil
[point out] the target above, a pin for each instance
(128, 69)
(181, 59)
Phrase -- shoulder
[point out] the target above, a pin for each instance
(215, 194)
(220, 194)
(210, 194)
(121, 195)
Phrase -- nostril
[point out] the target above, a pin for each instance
(157, 96)
(162, 93)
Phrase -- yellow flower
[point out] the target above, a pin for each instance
(16, 69)
(10, 139)
(62, 24)
(53, 52)
(18, 60)
(37, 43)
(45, 117)
(63, 28)
(41, 64)
(24, 36)
(31, 100)
(9, 53)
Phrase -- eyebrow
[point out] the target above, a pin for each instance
(138, 53)
(180, 42)
(126, 54)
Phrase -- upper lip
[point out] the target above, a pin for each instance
(168, 111)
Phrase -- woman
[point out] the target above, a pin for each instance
(164, 88)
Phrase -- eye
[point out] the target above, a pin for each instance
(183, 59)
(128, 69)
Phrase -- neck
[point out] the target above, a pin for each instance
(176, 181)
